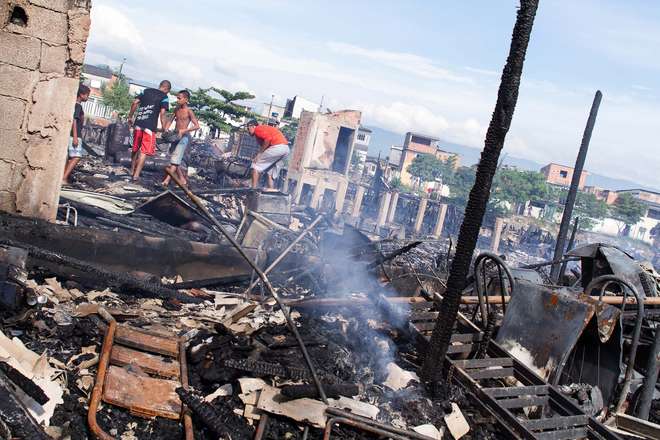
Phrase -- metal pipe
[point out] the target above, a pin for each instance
(652, 364)
(262, 276)
(501, 264)
(286, 251)
(575, 185)
(97, 391)
(638, 329)
(363, 422)
(571, 243)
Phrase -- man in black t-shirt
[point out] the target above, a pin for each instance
(75, 150)
(151, 105)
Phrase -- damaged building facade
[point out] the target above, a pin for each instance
(42, 47)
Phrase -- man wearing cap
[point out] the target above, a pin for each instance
(274, 147)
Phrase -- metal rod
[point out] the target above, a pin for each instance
(575, 185)
(286, 251)
(262, 276)
(364, 422)
(571, 243)
(97, 391)
(261, 429)
(549, 263)
(183, 368)
(638, 330)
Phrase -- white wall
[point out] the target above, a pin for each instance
(641, 230)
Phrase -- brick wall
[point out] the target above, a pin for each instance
(42, 46)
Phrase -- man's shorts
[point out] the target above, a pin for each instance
(144, 140)
(271, 156)
(75, 151)
(180, 150)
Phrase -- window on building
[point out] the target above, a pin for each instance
(420, 140)
(654, 214)
(563, 174)
(362, 137)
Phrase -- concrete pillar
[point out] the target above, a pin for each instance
(340, 196)
(497, 235)
(42, 47)
(319, 189)
(383, 208)
(357, 203)
(394, 200)
(440, 222)
(421, 210)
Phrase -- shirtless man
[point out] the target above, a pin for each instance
(183, 116)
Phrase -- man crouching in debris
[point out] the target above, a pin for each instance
(274, 148)
(150, 105)
(184, 116)
(75, 150)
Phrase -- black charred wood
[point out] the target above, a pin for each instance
(212, 282)
(30, 388)
(15, 416)
(394, 254)
(332, 391)
(203, 410)
(260, 368)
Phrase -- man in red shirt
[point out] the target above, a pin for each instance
(274, 147)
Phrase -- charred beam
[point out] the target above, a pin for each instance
(476, 205)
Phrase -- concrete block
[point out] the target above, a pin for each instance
(52, 111)
(53, 59)
(38, 194)
(45, 24)
(12, 114)
(7, 201)
(55, 5)
(17, 82)
(19, 50)
(79, 24)
(12, 146)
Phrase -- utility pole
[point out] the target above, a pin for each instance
(121, 66)
(575, 184)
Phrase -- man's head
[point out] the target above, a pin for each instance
(83, 93)
(183, 97)
(165, 86)
(252, 125)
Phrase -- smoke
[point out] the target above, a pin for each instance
(371, 327)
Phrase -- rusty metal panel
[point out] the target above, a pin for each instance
(142, 395)
(147, 342)
(542, 325)
(150, 363)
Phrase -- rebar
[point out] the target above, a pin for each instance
(480, 193)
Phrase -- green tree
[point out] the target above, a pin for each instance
(117, 96)
(517, 187)
(627, 210)
(289, 129)
(427, 168)
(217, 107)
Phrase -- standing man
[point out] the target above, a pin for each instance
(151, 105)
(184, 116)
(75, 150)
(274, 147)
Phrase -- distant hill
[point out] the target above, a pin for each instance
(382, 139)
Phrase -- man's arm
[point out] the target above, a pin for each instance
(74, 128)
(163, 119)
(134, 107)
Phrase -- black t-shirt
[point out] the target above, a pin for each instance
(151, 102)
(79, 117)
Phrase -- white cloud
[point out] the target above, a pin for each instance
(405, 62)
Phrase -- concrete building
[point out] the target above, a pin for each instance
(643, 229)
(360, 151)
(272, 111)
(296, 105)
(606, 195)
(42, 48)
(561, 175)
(363, 137)
(321, 156)
(414, 145)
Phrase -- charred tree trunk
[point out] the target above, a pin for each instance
(476, 206)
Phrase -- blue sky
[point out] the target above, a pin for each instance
(430, 66)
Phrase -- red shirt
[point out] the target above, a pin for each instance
(270, 134)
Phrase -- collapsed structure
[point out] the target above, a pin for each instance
(224, 312)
